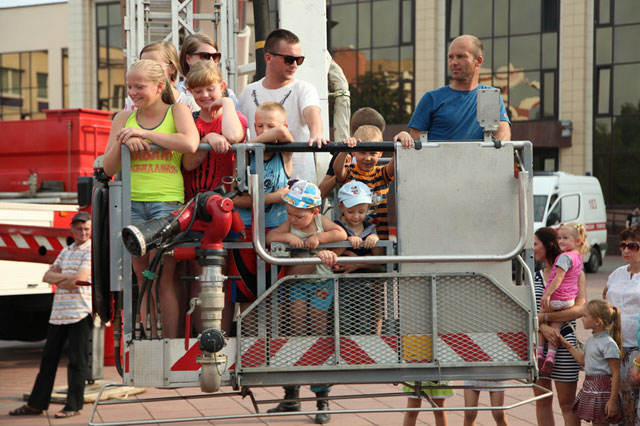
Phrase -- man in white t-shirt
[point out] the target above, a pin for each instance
(300, 99)
(70, 320)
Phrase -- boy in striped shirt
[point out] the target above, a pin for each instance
(367, 171)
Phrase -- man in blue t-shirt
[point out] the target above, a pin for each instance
(449, 113)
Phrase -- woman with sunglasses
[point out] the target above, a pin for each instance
(195, 48)
(623, 291)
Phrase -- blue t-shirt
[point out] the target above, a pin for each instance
(275, 177)
(449, 114)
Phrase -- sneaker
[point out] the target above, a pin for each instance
(547, 368)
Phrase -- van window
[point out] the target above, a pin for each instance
(539, 206)
(570, 208)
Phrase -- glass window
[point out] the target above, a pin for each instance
(626, 47)
(476, 18)
(343, 32)
(539, 205)
(111, 67)
(570, 207)
(604, 89)
(454, 18)
(626, 11)
(42, 84)
(364, 26)
(373, 43)
(524, 52)
(550, 50)
(500, 18)
(500, 54)
(603, 45)
(550, 15)
(524, 97)
(604, 12)
(549, 87)
(626, 90)
(525, 16)
(386, 20)
(488, 55)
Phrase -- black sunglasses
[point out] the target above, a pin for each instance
(209, 56)
(630, 246)
(288, 59)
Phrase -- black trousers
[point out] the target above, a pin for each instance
(77, 372)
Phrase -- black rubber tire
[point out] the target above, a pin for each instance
(593, 264)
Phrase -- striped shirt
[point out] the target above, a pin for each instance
(71, 306)
(566, 368)
(378, 180)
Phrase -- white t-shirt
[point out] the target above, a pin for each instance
(294, 97)
(623, 291)
(71, 306)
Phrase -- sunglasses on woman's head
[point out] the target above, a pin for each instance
(289, 59)
(630, 246)
(205, 56)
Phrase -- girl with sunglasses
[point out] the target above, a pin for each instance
(195, 48)
(623, 291)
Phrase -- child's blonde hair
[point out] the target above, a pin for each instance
(368, 133)
(579, 233)
(154, 73)
(273, 107)
(169, 55)
(203, 74)
(610, 317)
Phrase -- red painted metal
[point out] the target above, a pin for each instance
(60, 147)
(20, 243)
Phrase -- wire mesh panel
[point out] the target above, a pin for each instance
(382, 321)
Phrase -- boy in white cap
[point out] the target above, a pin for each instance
(307, 228)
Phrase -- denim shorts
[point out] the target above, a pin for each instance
(141, 211)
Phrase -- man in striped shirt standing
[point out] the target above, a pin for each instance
(70, 320)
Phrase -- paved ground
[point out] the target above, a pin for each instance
(19, 365)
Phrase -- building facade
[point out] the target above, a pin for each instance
(567, 70)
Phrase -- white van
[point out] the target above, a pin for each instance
(559, 197)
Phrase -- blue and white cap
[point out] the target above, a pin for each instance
(303, 195)
(354, 193)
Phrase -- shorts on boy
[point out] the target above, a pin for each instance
(318, 294)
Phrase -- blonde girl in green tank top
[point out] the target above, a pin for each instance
(156, 180)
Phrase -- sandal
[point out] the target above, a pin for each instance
(66, 413)
(25, 410)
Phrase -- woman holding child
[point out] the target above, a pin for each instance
(566, 369)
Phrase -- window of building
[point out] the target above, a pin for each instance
(616, 126)
(23, 85)
(111, 65)
(373, 42)
(520, 39)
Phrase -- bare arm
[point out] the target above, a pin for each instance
(280, 234)
(326, 185)
(66, 281)
(313, 117)
(332, 232)
(577, 355)
(611, 409)
(185, 140)
(112, 156)
(231, 126)
(504, 131)
(415, 133)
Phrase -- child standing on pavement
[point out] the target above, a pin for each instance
(368, 171)
(562, 288)
(598, 401)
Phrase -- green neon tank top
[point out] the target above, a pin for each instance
(156, 175)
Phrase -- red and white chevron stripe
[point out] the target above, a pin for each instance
(31, 243)
(366, 350)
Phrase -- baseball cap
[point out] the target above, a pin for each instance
(81, 217)
(303, 195)
(354, 193)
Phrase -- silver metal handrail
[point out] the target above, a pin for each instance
(262, 252)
